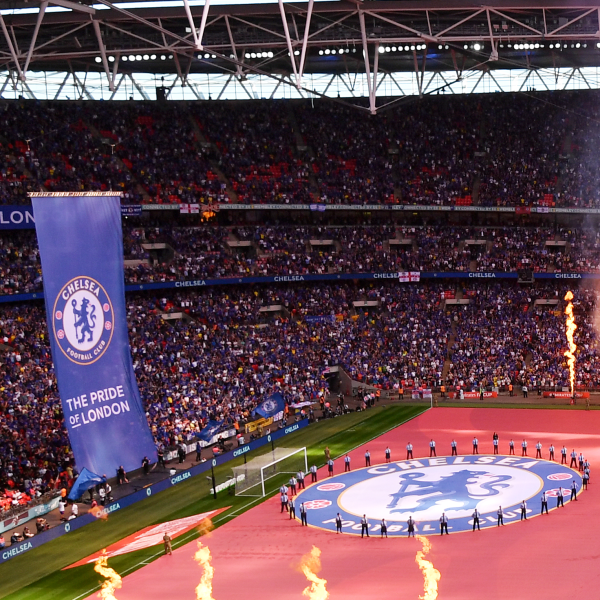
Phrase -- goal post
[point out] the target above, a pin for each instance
(250, 478)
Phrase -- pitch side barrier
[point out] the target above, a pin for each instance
(151, 490)
(194, 283)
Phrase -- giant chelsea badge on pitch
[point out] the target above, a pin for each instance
(425, 488)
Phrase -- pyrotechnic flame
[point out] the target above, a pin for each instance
(99, 513)
(430, 574)
(113, 579)
(205, 527)
(570, 331)
(203, 558)
(310, 565)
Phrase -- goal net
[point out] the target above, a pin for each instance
(250, 478)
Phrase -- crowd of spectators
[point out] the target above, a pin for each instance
(491, 150)
(227, 355)
(210, 251)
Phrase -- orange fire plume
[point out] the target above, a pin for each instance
(430, 574)
(310, 565)
(570, 331)
(99, 513)
(113, 579)
(203, 558)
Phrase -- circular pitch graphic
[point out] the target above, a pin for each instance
(425, 488)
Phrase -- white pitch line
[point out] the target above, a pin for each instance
(182, 538)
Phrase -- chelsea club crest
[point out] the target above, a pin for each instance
(83, 320)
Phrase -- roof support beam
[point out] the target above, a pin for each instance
(98, 33)
(286, 30)
(202, 23)
(11, 47)
(139, 88)
(76, 6)
(238, 68)
(188, 12)
(36, 30)
(304, 43)
(363, 32)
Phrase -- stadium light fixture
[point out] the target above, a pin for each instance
(124, 58)
(111, 59)
(327, 51)
(146, 57)
(320, 52)
(381, 49)
(152, 57)
(131, 57)
(477, 47)
(138, 57)
(98, 59)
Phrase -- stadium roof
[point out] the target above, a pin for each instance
(287, 41)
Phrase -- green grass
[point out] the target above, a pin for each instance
(36, 575)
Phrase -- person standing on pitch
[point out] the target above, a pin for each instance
(523, 510)
(432, 451)
(573, 464)
(453, 446)
(167, 542)
(586, 477)
(284, 502)
(495, 443)
(511, 447)
(292, 507)
(338, 523)
(313, 474)
(524, 448)
(574, 491)
(559, 498)
(409, 450)
(475, 516)
(283, 489)
(300, 477)
(388, 454)
(330, 467)
(367, 459)
(581, 459)
(538, 450)
(411, 526)
(303, 520)
(544, 503)
(383, 528)
(293, 482)
(500, 517)
(475, 445)
(563, 453)
(364, 526)
(551, 450)
(444, 524)
(346, 463)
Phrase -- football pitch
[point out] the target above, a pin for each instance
(38, 574)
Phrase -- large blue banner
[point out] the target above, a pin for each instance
(16, 217)
(81, 249)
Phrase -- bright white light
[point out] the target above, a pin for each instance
(327, 51)
(406, 48)
(124, 58)
(163, 57)
(412, 47)
(537, 45)
(131, 58)
(247, 55)
(170, 57)
(552, 46)
(296, 53)
(153, 57)
(252, 54)
(381, 49)
(466, 47)
(98, 59)
(269, 55)
(138, 57)
(388, 49)
(207, 56)
(320, 52)
(333, 51)
(477, 47)
(146, 57)
(440, 47)
(577, 45)
(111, 59)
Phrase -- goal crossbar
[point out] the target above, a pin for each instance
(256, 472)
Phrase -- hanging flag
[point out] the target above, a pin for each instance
(84, 482)
(210, 430)
(270, 407)
(81, 249)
